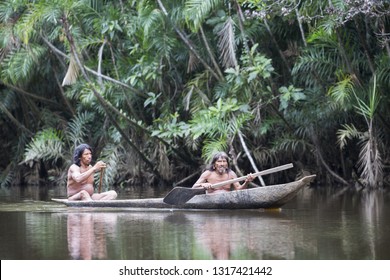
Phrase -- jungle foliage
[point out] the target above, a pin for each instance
(156, 87)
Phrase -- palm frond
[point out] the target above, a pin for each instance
(46, 145)
(227, 45)
(196, 11)
(370, 162)
(8, 41)
(211, 146)
(151, 20)
(111, 155)
(368, 108)
(316, 66)
(72, 73)
(76, 131)
(264, 155)
(97, 5)
(195, 98)
(289, 144)
(383, 70)
(162, 41)
(342, 92)
(349, 132)
(164, 166)
(7, 10)
(19, 66)
(7, 176)
(193, 63)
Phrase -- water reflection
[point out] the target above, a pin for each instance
(246, 235)
(215, 236)
(210, 236)
(87, 234)
(372, 202)
(320, 224)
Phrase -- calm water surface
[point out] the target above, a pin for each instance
(319, 224)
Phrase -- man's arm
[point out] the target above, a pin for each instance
(202, 179)
(80, 177)
(238, 186)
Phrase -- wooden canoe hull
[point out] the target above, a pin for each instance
(273, 196)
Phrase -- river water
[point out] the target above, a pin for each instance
(319, 224)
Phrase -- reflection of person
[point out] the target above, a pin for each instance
(219, 171)
(217, 238)
(80, 235)
(87, 234)
(80, 176)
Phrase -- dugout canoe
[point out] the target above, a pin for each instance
(273, 196)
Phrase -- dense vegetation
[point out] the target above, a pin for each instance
(156, 87)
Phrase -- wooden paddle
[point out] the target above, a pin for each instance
(101, 179)
(180, 195)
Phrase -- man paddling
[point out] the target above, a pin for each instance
(219, 171)
(80, 176)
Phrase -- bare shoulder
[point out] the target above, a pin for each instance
(204, 177)
(206, 174)
(232, 174)
(74, 167)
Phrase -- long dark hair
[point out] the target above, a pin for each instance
(79, 151)
(218, 156)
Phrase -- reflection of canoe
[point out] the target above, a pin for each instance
(262, 197)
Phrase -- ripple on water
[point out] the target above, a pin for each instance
(31, 206)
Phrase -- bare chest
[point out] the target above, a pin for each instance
(215, 178)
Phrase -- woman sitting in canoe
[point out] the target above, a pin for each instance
(80, 176)
(219, 171)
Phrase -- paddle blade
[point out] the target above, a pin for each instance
(180, 195)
